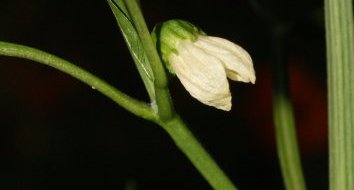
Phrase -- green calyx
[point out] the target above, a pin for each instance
(167, 36)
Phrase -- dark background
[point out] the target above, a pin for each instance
(57, 133)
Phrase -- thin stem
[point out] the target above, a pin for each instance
(168, 119)
(288, 151)
(340, 66)
(200, 158)
(163, 99)
(287, 146)
(134, 45)
(134, 106)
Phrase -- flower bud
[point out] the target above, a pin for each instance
(202, 63)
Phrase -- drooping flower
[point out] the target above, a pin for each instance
(203, 63)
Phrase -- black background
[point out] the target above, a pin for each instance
(57, 133)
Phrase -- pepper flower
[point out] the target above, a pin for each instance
(202, 63)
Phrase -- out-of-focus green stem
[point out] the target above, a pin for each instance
(287, 146)
(285, 131)
(136, 107)
(340, 71)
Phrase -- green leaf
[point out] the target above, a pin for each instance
(134, 43)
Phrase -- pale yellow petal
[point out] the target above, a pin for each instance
(202, 75)
(236, 60)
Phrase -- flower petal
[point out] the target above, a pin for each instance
(202, 75)
(236, 60)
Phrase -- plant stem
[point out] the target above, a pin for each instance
(288, 151)
(287, 146)
(134, 45)
(134, 106)
(163, 100)
(200, 158)
(340, 66)
(175, 127)
(167, 118)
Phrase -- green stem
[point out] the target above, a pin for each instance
(163, 100)
(168, 119)
(134, 45)
(287, 146)
(136, 107)
(288, 151)
(195, 152)
(340, 66)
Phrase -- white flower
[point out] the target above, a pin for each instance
(203, 64)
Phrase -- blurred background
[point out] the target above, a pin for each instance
(57, 133)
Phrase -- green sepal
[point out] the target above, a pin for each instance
(167, 35)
